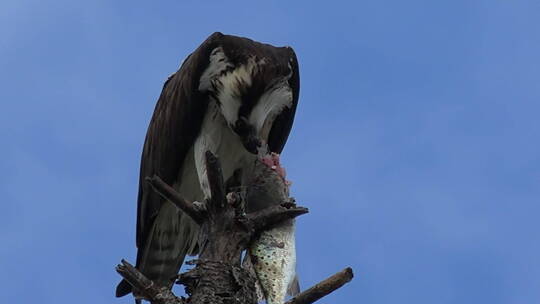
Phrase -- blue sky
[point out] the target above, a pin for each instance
(416, 144)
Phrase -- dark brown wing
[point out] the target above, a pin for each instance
(173, 129)
(175, 124)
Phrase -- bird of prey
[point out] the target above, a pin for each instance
(232, 96)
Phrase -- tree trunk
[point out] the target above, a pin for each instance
(227, 230)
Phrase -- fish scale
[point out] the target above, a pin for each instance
(273, 257)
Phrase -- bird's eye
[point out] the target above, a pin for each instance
(241, 123)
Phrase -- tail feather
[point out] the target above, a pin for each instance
(173, 235)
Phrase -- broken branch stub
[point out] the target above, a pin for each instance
(214, 174)
(323, 288)
(268, 217)
(145, 287)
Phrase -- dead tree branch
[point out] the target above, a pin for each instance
(266, 218)
(323, 288)
(147, 288)
(167, 192)
(218, 276)
(214, 175)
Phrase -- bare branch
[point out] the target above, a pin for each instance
(215, 180)
(323, 288)
(141, 284)
(264, 219)
(170, 194)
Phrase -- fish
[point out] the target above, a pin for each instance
(272, 255)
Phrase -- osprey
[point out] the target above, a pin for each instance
(236, 98)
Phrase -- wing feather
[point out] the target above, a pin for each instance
(173, 128)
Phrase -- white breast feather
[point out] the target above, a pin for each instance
(217, 137)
